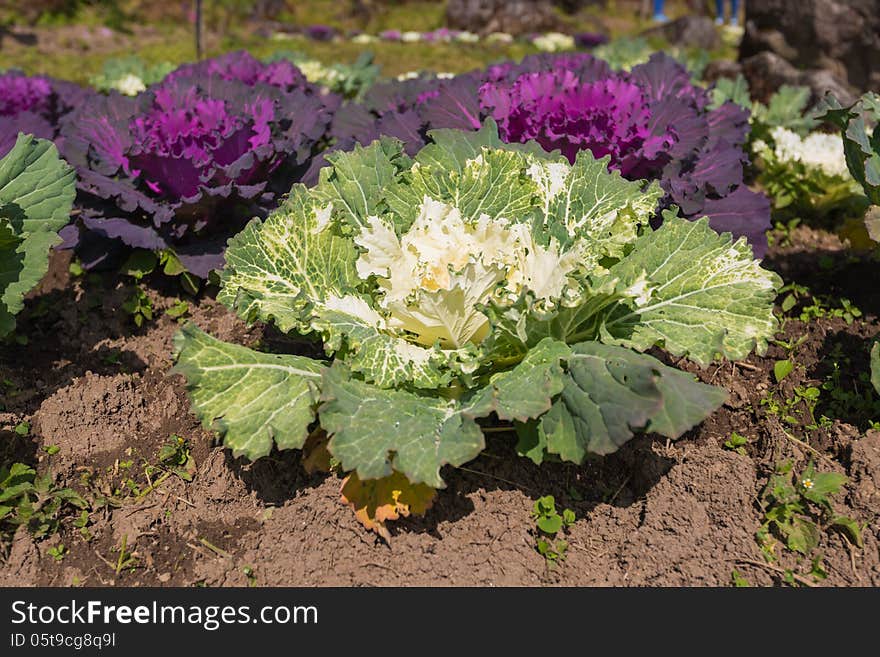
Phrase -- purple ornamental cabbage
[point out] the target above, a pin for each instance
(588, 40)
(34, 105)
(186, 164)
(242, 66)
(652, 122)
(440, 35)
(320, 32)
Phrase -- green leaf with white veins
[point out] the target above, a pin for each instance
(600, 205)
(282, 268)
(36, 186)
(351, 326)
(528, 389)
(37, 189)
(377, 431)
(708, 296)
(452, 149)
(253, 400)
(490, 184)
(474, 171)
(355, 183)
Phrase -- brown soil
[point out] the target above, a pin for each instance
(655, 513)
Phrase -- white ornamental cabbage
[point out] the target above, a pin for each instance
(817, 150)
(475, 280)
(130, 85)
(553, 42)
(808, 176)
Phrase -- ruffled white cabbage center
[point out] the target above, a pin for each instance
(436, 274)
(817, 150)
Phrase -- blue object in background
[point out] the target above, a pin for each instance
(659, 16)
(719, 11)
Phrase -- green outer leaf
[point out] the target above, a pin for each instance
(875, 366)
(37, 189)
(686, 403)
(531, 441)
(528, 389)
(733, 90)
(495, 187)
(451, 149)
(250, 398)
(710, 296)
(39, 183)
(602, 205)
(356, 181)
(612, 391)
(11, 266)
(376, 431)
(279, 269)
(788, 108)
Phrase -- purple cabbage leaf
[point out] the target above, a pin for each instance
(184, 165)
(34, 105)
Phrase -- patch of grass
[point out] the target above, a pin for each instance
(798, 410)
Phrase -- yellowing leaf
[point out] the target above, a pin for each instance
(376, 501)
(315, 457)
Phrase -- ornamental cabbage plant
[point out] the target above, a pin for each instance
(347, 80)
(653, 122)
(129, 75)
(36, 194)
(181, 167)
(476, 283)
(34, 105)
(808, 176)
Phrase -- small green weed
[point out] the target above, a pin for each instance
(251, 577)
(139, 306)
(798, 509)
(179, 310)
(736, 443)
(34, 501)
(549, 523)
(57, 552)
(738, 580)
(809, 307)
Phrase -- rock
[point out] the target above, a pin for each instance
(832, 44)
(767, 71)
(688, 31)
(721, 68)
(511, 16)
